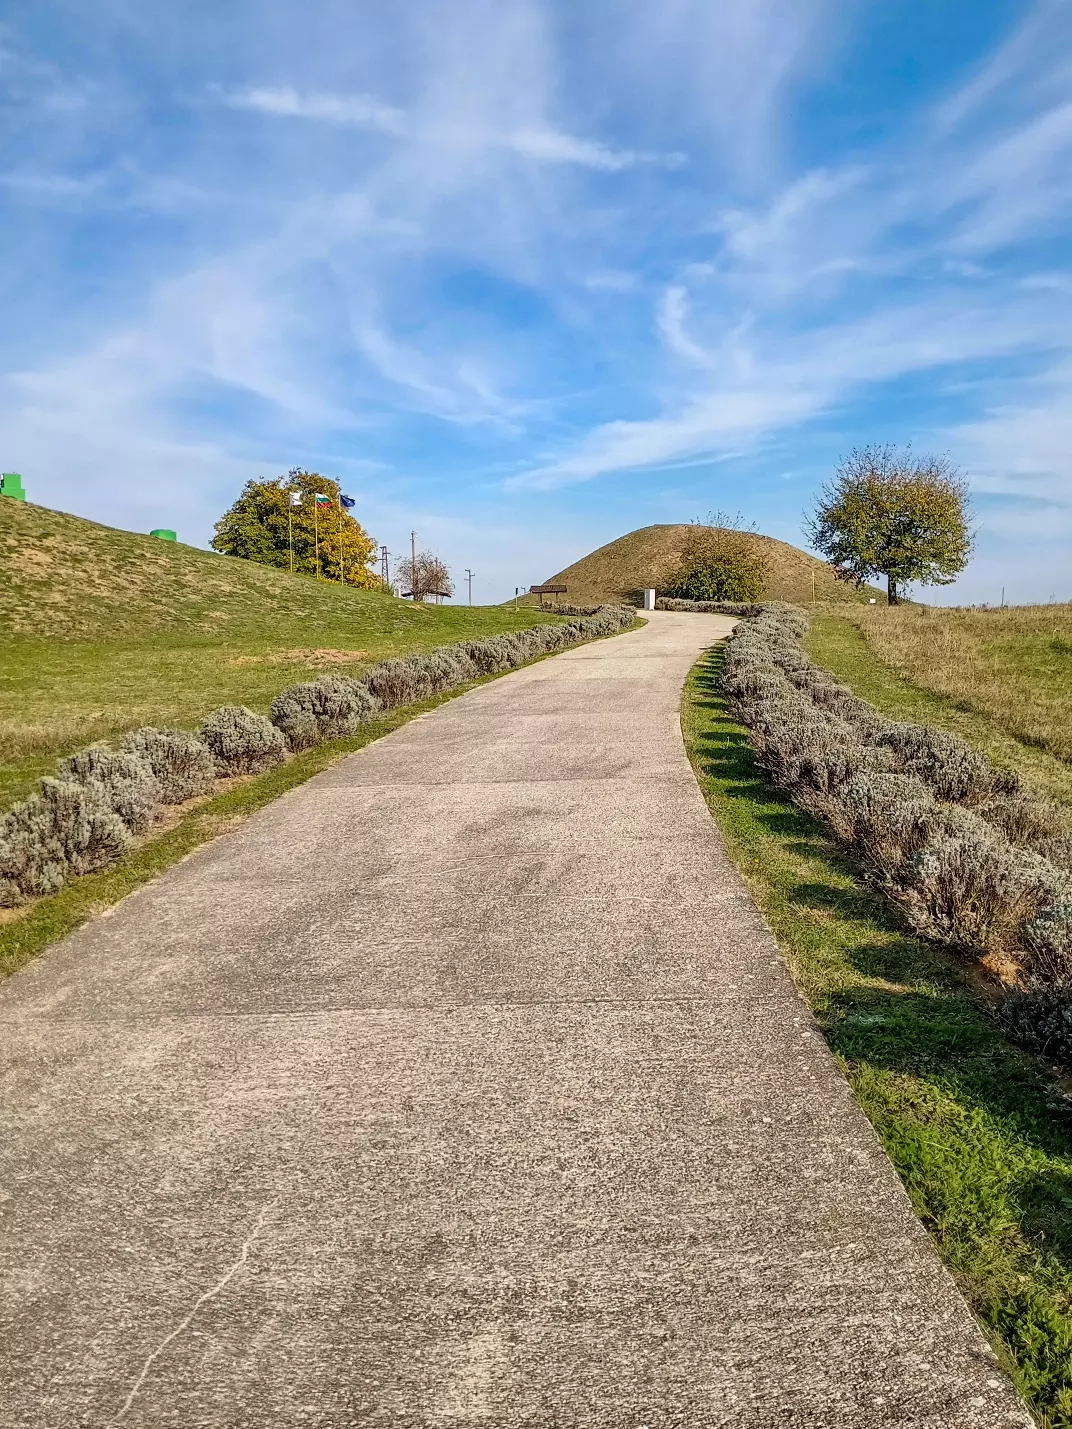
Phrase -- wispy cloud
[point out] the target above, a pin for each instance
(359, 110)
(553, 147)
(497, 254)
(542, 144)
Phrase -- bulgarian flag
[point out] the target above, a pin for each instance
(321, 499)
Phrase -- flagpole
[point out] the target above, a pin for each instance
(316, 533)
(342, 563)
(290, 530)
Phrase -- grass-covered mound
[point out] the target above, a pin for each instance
(644, 559)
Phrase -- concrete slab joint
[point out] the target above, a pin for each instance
(463, 1085)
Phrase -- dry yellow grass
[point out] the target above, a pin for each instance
(1014, 665)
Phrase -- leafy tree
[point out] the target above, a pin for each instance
(887, 512)
(432, 576)
(719, 561)
(260, 525)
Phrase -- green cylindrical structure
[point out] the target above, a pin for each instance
(11, 485)
(163, 534)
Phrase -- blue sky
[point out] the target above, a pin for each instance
(528, 274)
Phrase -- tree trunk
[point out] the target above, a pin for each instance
(892, 598)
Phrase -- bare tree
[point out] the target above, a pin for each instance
(430, 577)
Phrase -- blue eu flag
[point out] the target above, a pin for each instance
(346, 502)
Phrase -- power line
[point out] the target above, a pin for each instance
(469, 578)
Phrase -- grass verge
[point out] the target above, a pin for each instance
(57, 696)
(837, 643)
(28, 933)
(1013, 664)
(980, 1133)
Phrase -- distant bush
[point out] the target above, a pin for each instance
(242, 742)
(717, 564)
(182, 763)
(741, 609)
(123, 782)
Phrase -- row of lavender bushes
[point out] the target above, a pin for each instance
(743, 610)
(101, 799)
(972, 855)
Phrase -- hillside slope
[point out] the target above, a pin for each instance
(64, 578)
(102, 630)
(643, 559)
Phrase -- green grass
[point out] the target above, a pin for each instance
(104, 630)
(83, 898)
(1013, 664)
(25, 933)
(837, 643)
(979, 1132)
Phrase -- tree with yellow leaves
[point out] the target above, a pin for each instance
(273, 519)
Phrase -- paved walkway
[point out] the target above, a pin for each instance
(462, 1086)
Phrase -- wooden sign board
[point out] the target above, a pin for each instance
(547, 590)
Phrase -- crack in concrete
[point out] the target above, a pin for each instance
(247, 1246)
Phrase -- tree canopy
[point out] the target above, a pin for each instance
(718, 563)
(262, 522)
(888, 512)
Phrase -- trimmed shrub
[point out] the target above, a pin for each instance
(1048, 938)
(66, 828)
(396, 682)
(886, 818)
(329, 708)
(124, 782)
(242, 742)
(489, 656)
(183, 765)
(952, 768)
(1024, 819)
(742, 609)
(976, 893)
(969, 851)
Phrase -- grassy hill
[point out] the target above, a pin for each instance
(102, 630)
(645, 557)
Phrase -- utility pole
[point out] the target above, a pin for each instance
(385, 570)
(413, 559)
(469, 578)
(516, 589)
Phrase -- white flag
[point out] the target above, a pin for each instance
(295, 498)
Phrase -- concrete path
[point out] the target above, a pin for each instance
(463, 1086)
